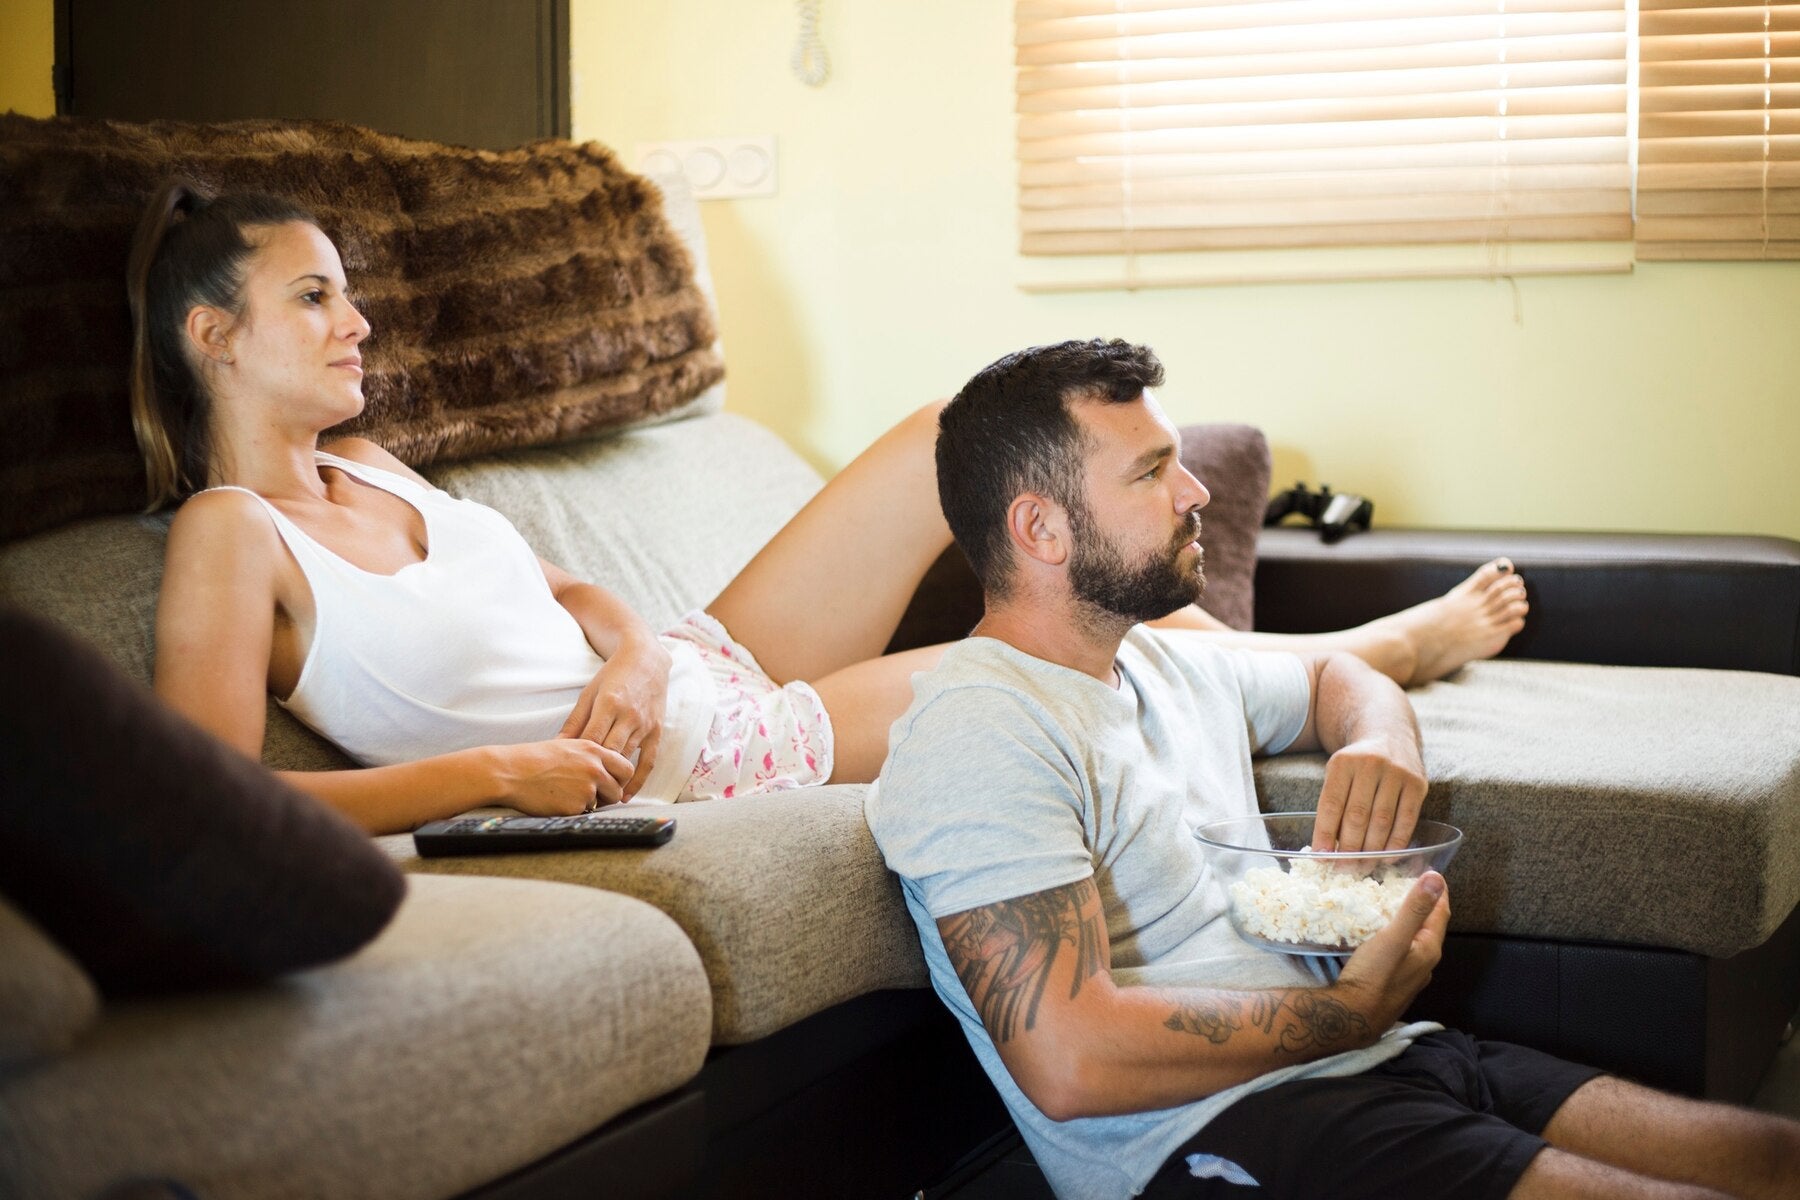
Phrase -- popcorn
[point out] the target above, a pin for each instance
(1319, 901)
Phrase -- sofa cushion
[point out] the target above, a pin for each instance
(665, 516)
(493, 1022)
(46, 999)
(518, 297)
(156, 855)
(785, 896)
(1619, 804)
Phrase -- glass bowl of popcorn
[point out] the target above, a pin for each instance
(1284, 896)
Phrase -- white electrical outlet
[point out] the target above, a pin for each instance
(716, 168)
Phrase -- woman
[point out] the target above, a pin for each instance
(421, 634)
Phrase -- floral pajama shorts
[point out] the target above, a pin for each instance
(765, 736)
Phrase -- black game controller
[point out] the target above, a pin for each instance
(1332, 514)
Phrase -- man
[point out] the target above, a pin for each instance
(1038, 801)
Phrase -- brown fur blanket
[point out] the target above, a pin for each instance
(517, 297)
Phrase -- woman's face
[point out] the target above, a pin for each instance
(296, 346)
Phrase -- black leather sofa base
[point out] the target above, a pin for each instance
(1681, 1022)
(1622, 599)
(880, 1095)
(651, 1151)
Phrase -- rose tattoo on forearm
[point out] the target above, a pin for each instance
(1303, 1022)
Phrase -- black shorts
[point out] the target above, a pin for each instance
(1449, 1117)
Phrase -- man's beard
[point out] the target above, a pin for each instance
(1155, 587)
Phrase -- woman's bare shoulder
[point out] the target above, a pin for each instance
(223, 523)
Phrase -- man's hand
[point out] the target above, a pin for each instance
(1394, 966)
(621, 709)
(1373, 789)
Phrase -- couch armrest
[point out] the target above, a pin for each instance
(1653, 600)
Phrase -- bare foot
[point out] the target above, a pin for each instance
(1475, 619)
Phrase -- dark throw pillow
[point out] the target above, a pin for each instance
(156, 855)
(1231, 460)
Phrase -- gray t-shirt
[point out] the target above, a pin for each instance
(1010, 775)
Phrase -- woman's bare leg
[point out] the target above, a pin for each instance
(864, 700)
(1475, 619)
(828, 590)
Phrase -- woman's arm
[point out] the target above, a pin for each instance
(215, 616)
(555, 778)
(622, 706)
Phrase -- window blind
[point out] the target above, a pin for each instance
(1147, 126)
(1718, 130)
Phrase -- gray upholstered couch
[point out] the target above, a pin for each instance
(743, 1008)
(742, 1011)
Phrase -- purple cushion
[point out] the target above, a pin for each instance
(1233, 462)
(157, 856)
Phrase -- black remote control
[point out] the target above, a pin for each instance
(505, 835)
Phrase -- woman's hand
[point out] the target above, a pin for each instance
(621, 708)
(558, 778)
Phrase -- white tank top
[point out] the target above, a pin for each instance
(466, 648)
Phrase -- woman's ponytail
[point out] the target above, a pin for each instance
(158, 422)
(190, 249)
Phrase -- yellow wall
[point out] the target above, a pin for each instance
(884, 273)
(27, 48)
(885, 270)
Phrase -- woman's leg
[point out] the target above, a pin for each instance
(829, 589)
(1472, 620)
(864, 700)
(1475, 619)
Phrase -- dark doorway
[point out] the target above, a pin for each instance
(486, 73)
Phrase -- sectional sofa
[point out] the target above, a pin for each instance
(744, 1011)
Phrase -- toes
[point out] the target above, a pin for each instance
(1497, 573)
(1484, 577)
(1508, 591)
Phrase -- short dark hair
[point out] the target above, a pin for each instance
(1010, 430)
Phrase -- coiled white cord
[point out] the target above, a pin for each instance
(809, 61)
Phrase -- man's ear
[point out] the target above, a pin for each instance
(209, 333)
(1038, 528)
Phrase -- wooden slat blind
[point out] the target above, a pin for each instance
(1718, 130)
(1145, 125)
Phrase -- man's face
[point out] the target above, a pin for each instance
(1135, 553)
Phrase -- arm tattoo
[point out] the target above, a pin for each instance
(1004, 953)
(1303, 1022)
